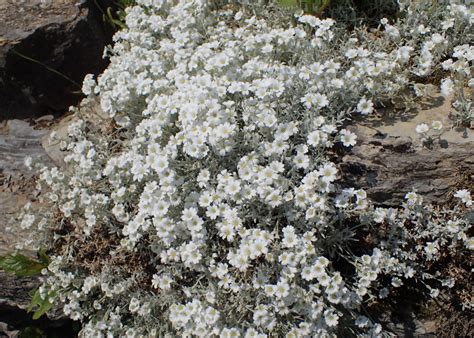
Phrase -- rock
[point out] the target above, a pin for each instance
(412, 327)
(52, 146)
(19, 139)
(14, 298)
(390, 159)
(15, 321)
(6, 332)
(46, 49)
(10, 205)
(15, 290)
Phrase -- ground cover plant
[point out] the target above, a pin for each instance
(209, 203)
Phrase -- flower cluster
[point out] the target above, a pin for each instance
(208, 204)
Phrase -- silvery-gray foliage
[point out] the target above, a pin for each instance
(212, 205)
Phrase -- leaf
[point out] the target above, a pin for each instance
(42, 305)
(309, 6)
(35, 300)
(21, 265)
(45, 306)
(325, 4)
(289, 3)
(44, 259)
(114, 22)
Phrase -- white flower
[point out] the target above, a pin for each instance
(422, 29)
(282, 289)
(289, 237)
(301, 161)
(330, 318)
(431, 248)
(365, 107)
(163, 282)
(315, 100)
(412, 198)
(347, 138)
(437, 125)
(328, 172)
(452, 226)
(465, 196)
(212, 212)
(232, 187)
(203, 177)
(134, 305)
(447, 87)
(422, 128)
(314, 138)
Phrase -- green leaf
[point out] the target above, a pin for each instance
(43, 308)
(35, 300)
(309, 6)
(44, 259)
(22, 265)
(113, 21)
(289, 3)
(42, 305)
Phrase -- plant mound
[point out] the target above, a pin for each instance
(208, 203)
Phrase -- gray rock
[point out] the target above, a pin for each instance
(15, 290)
(15, 321)
(52, 145)
(390, 159)
(19, 139)
(46, 49)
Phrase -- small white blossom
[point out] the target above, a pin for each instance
(365, 107)
(422, 128)
(134, 305)
(447, 87)
(348, 138)
(436, 125)
(465, 196)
